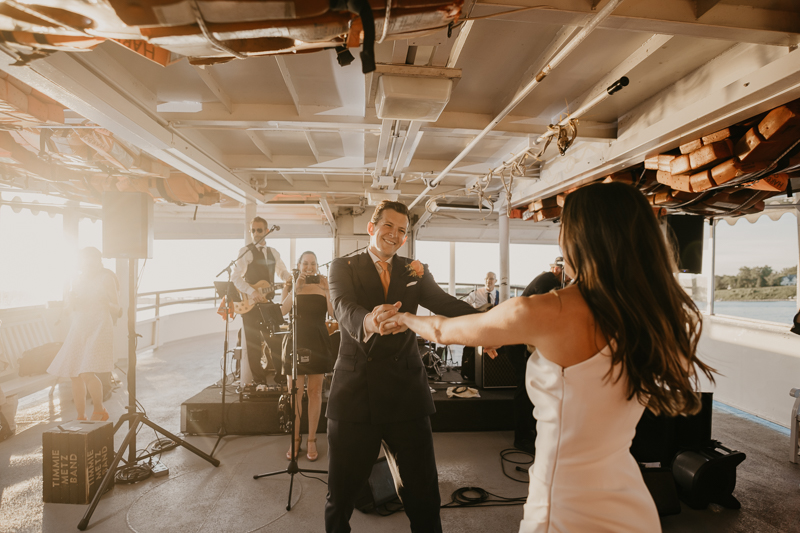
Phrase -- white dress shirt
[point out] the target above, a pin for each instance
(240, 268)
(482, 296)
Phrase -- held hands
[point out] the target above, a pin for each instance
(490, 351)
(382, 320)
(395, 323)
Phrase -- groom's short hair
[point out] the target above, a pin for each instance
(388, 204)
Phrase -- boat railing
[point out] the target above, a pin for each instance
(156, 300)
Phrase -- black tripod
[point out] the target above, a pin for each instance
(293, 468)
(228, 291)
(133, 417)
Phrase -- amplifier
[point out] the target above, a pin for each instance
(75, 457)
(497, 373)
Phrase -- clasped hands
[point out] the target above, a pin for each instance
(386, 319)
(383, 320)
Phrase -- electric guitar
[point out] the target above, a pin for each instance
(264, 287)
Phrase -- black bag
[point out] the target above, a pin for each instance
(796, 326)
(36, 360)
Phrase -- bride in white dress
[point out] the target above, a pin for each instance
(621, 338)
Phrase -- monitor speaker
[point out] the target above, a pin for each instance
(497, 373)
(687, 234)
(379, 489)
(127, 225)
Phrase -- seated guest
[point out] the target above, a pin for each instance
(620, 339)
(484, 296)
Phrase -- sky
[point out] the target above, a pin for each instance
(36, 263)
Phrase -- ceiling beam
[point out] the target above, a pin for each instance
(356, 188)
(323, 202)
(463, 34)
(281, 118)
(211, 79)
(701, 7)
(744, 81)
(558, 41)
(327, 181)
(312, 145)
(383, 145)
(410, 143)
(287, 79)
(726, 21)
(287, 178)
(98, 88)
(260, 144)
(647, 49)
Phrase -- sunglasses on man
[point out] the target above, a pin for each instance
(257, 230)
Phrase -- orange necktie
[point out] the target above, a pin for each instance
(385, 277)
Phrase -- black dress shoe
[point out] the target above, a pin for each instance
(526, 445)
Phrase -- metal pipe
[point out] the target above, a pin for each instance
(560, 56)
(613, 88)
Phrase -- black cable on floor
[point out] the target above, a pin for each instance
(314, 477)
(133, 474)
(504, 459)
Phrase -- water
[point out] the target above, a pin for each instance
(781, 312)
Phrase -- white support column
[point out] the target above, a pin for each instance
(452, 288)
(292, 253)
(504, 252)
(712, 249)
(249, 214)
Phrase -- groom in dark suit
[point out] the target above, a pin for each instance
(380, 393)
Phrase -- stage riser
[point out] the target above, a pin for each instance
(202, 414)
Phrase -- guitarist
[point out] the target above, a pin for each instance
(260, 263)
(486, 297)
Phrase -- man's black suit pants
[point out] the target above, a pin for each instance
(353, 448)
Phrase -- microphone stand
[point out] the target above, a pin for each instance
(345, 255)
(293, 422)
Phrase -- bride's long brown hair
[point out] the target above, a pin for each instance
(625, 272)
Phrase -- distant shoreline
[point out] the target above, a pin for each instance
(756, 300)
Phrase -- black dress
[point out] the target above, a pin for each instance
(313, 343)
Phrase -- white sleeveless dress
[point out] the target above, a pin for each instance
(89, 346)
(584, 478)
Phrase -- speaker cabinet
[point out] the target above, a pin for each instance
(127, 225)
(497, 373)
(379, 489)
(687, 234)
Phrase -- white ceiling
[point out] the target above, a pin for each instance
(297, 127)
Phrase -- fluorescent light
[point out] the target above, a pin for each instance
(180, 107)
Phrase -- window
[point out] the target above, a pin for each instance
(756, 269)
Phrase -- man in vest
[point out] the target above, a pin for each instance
(260, 263)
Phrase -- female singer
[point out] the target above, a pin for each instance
(315, 357)
(88, 348)
(621, 338)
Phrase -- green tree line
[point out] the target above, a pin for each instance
(751, 277)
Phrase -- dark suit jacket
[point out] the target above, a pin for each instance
(542, 284)
(382, 380)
